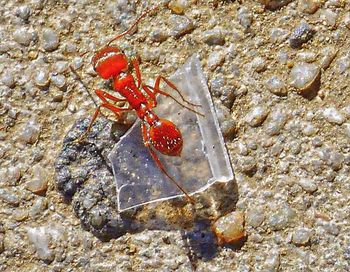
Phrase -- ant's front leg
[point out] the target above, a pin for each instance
(103, 96)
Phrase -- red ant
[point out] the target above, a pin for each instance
(161, 134)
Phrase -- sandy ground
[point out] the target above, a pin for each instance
(279, 79)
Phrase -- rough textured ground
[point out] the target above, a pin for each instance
(279, 76)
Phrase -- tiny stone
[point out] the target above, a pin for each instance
(8, 79)
(41, 78)
(228, 128)
(255, 217)
(159, 35)
(305, 77)
(230, 228)
(23, 12)
(258, 64)
(50, 40)
(302, 34)
(178, 6)
(333, 116)
(214, 37)
(38, 184)
(329, 17)
(347, 129)
(308, 185)
(59, 81)
(309, 129)
(328, 54)
(247, 166)
(276, 121)
(23, 36)
(276, 86)
(244, 17)
(215, 59)
(306, 56)
(39, 237)
(181, 25)
(301, 236)
(30, 132)
(278, 34)
(20, 215)
(343, 63)
(309, 6)
(9, 196)
(273, 261)
(256, 116)
(281, 218)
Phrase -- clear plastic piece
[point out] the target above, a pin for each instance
(203, 161)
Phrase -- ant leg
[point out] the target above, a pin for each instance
(148, 88)
(128, 31)
(137, 71)
(159, 163)
(105, 104)
(104, 96)
(171, 85)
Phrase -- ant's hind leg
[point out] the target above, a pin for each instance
(160, 165)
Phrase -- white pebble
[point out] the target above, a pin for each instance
(308, 185)
(333, 116)
(50, 40)
(276, 86)
(303, 75)
(256, 116)
(30, 132)
(23, 36)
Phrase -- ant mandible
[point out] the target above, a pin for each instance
(159, 134)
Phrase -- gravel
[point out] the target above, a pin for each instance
(278, 73)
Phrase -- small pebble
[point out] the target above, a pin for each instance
(272, 262)
(8, 79)
(214, 37)
(9, 196)
(278, 34)
(244, 17)
(42, 78)
(40, 238)
(329, 17)
(281, 218)
(276, 121)
(301, 236)
(255, 217)
(181, 25)
(305, 77)
(309, 129)
(30, 132)
(309, 6)
(276, 86)
(38, 183)
(328, 54)
(302, 34)
(308, 185)
(215, 59)
(229, 229)
(159, 35)
(23, 12)
(256, 116)
(59, 81)
(23, 36)
(258, 64)
(343, 63)
(50, 40)
(178, 6)
(333, 116)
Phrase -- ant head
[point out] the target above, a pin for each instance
(166, 137)
(109, 62)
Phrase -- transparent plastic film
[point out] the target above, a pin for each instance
(203, 161)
